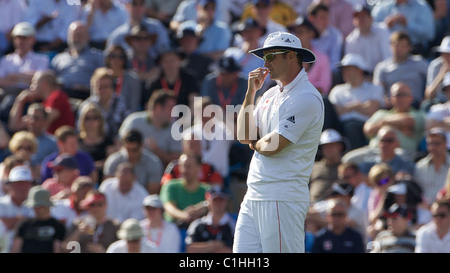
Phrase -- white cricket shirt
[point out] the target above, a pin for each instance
(297, 113)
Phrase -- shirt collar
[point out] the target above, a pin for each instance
(301, 76)
(223, 220)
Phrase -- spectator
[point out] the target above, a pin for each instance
(147, 166)
(51, 18)
(34, 122)
(356, 100)
(431, 171)
(386, 152)
(17, 68)
(65, 171)
(337, 237)
(76, 65)
(56, 103)
(330, 40)
(124, 193)
(92, 137)
(214, 232)
(113, 108)
(434, 236)
(132, 239)
(184, 198)
(340, 15)
(438, 115)
(127, 85)
(437, 69)
(398, 238)
(154, 124)
(368, 39)
(102, 17)
(136, 16)
(207, 174)
(188, 39)
(12, 13)
(42, 233)
(24, 145)
(67, 209)
(409, 122)
(226, 86)
(402, 67)
(324, 172)
(67, 142)
(165, 235)
(95, 232)
(411, 16)
(140, 60)
(173, 77)
(161, 10)
(5, 168)
(12, 208)
(320, 73)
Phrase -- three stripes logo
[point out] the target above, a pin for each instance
(291, 119)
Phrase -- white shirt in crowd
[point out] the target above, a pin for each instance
(167, 238)
(120, 246)
(427, 240)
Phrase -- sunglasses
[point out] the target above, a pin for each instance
(387, 140)
(440, 215)
(338, 214)
(98, 204)
(383, 181)
(269, 57)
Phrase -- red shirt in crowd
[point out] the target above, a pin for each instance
(60, 101)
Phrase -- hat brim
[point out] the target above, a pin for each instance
(307, 55)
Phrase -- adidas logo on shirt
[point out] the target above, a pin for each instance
(291, 119)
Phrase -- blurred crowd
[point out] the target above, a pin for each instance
(115, 134)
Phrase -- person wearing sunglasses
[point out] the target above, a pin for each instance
(283, 129)
(434, 237)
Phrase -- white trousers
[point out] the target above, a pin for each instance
(270, 227)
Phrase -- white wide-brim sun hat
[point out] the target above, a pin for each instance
(286, 41)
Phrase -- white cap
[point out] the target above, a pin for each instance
(330, 136)
(23, 29)
(399, 188)
(287, 41)
(20, 173)
(352, 59)
(445, 45)
(130, 229)
(152, 200)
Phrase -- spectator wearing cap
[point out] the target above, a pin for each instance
(402, 67)
(154, 124)
(147, 166)
(324, 172)
(67, 142)
(12, 13)
(174, 77)
(367, 39)
(74, 67)
(12, 206)
(320, 73)
(436, 73)
(124, 193)
(337, 237)
(165, 235)
(408, 121)
(51, 18)
(414, 17)
(398, 238)
(355, 100)
(188, 39)
(434, 237)
(136, 10)
(95, 231)
(226, 86)
(131, 239)
(67, 209)
(214, 232)
(65, 171)
(17, 68)
(140, 40)
(431, 171)
(330, 40)
(5, 167)
(102, 17)
(42, 233)
(438, 114)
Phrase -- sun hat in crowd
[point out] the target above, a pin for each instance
(352, 59)
(38, 197)
(399, 188)
(332, 136)
(286, 41)
(23, 29)
(20, 173)
(444, 47)
(130, 230)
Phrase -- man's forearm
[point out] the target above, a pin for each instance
(246, 126)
